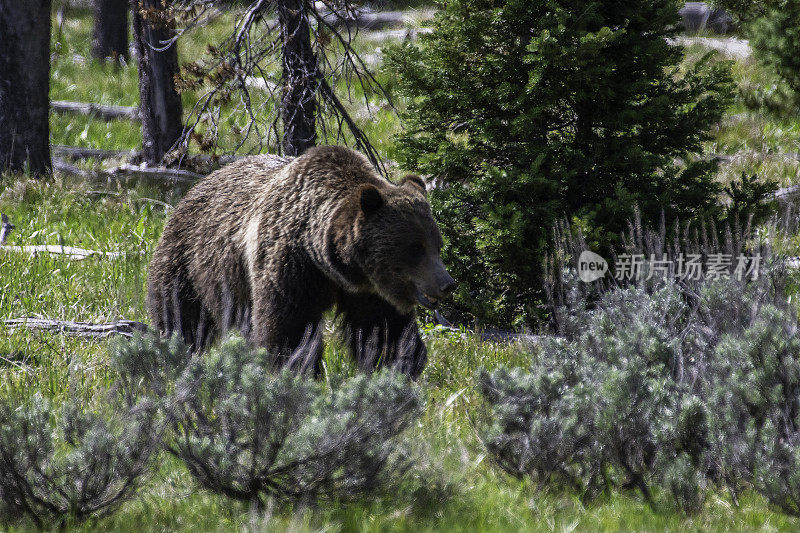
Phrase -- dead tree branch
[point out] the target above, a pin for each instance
(377, 20)
(59, 165)
(126, 172)
(157, 173)
(71, 252)
(243, 85)
(105, 112)
(77, 153)
(81, 329)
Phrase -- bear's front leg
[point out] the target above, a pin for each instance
(287, 319)
(379, 335)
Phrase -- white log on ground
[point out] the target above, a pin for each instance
(204, 164)
(786, 157)
(70, 252)
(76, 153)
(106, 112)
(59, 165)
(129, 327)
(81, 329)
(375, 20)
(402, 34)
(158, 173)
(788, 194)
(127, 171)
(728, 46)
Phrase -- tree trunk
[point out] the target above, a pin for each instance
(159, 103)
(583, 191)
(110, 35)
(300, 78)
(24, 85)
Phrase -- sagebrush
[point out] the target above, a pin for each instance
(666, 386)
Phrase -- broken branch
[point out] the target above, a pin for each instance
(82, 329)
(105, 112)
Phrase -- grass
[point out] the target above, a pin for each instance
(764, 142)
(454, 487)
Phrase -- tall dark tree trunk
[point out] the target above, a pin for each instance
(300, 78)
(25, 85)
(584, 144)
(159, 103)
(110, 35)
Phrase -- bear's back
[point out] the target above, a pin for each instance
(267, 187)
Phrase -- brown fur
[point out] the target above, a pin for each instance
(267, 248)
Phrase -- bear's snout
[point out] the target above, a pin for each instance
(437, 284)
(446, 283)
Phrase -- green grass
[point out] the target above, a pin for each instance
(757, 137)
(453, 486)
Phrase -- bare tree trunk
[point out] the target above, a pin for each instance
(159, 103)
(300, 78)
(110, 35)
(24, 85)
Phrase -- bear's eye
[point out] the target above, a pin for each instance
(416, 250)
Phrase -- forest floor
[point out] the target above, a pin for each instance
(455, 487)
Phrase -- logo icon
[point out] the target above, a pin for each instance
(591, 266)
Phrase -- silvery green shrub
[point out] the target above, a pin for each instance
(85, 465)
(248, 431)
(241, 428)
(666, 387)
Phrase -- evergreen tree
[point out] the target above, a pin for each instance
(745, 12)
(531, 111)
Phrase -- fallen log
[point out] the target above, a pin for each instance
(510, 337)
(71, 252)
(782, 156)
(76, 153)
(744, 156)
(403, 34)
(127, 171)
(160, 173)
(367, 20)
(128, 327)
(698, 16)
(105, 112)
(81, 329)
(376, 20)
(787, 194)
(730, 47)
(261, 84)
(203, 164)
(59, 165)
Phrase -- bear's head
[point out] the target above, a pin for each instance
(397, 245)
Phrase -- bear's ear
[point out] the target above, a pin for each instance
(412, 180)
(371, 199)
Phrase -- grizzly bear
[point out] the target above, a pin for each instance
(267, 246)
